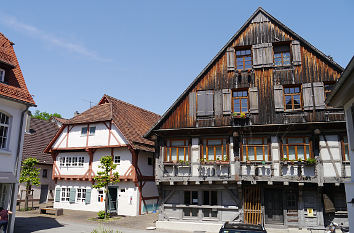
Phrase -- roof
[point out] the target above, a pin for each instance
(260, 10)
(343, 90)
(15, 87)
(60, 120)
(97, 113)
(41, 133)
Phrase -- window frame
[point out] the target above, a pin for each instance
(240, 99)
(344, 148)
(326, 91)
(205, 146)
(100, 196)
(115, 160)
(86, 131)
(265, 148)
(2, 76)
(4, 139)
(310, 154)
(186, 147)
(243, 58)
(44, 173)
(90, 133)
(82, 192)
(66, 197)
(282, 54)
(292, 98)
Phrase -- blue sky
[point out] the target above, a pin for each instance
(146, 52)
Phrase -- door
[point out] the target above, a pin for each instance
(44, 194)
(252, 205)
(112, 199)
(292, 208)
(273, 203)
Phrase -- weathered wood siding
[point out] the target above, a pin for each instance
(313, 68)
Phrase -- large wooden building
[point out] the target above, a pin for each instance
(251, 139)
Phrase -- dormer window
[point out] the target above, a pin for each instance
(243, 59)
(2, 75)
(282, 55)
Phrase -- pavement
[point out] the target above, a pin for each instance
(83, 221)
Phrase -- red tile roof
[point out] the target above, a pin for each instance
(41, 133)
(14, 86)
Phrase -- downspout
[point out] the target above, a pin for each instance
(16, 169)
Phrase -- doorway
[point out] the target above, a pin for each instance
(44, 194)
(252, 205)
(112, 199)
(273, 203)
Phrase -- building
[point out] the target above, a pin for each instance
(14, 103)
(39, 134)
(343, 96)
(251, 139)
(114, 128)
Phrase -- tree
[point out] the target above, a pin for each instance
(44, 115)
(106, 177)
(29, 175)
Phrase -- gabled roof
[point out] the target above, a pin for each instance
(259, 15)
(41, 133)
(15, 87)
(102, 112)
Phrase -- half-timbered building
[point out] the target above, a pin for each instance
(251, 139)
(114, 128)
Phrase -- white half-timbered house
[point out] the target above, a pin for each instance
(113, 128)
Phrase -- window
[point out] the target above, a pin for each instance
(117, 159)
(44, 173)
(240, 101)
(62, 161)
(4, 128)
(122, 190)
(150, 161)
(295, 148)
(215, 149)
(92, 130)
(65, 194)
(292, 97)
(210, 197)
(345, 149)
(243, 59)
(74, 162)
(328, 88)
(81, 161)
(282, 55)
(176, 150)
(68, 161)
(255, 149)
(2, 75)
(100, 196)
(83, 131)
(191, 197)
(81, 195)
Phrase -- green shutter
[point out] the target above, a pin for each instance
(72, 195)
(88, 196)
(57, 195)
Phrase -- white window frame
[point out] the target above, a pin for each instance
(66, 196)
(2, 75)
(74, 162)
(81, 161)
(116, 159)
(7, 126)
(82, 193)
(71, 161)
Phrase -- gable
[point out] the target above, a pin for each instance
(260, 29)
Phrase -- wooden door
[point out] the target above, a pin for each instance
(292, 208)
(252, 205)
(44, 194)
(273, 202)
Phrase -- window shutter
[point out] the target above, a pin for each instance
(296, 52)
(262, 55)
(253, 98)
(307, 96)
(226, 101)
(57, 195)
(72, 195)
(318, 91)
(88, 196)
(210, 103)
(192, 105)
(278, 98)
(230, 59)
(218, 103)
(205, 103)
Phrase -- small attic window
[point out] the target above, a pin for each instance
(2, 75)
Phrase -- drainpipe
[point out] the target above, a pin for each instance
(16, 169)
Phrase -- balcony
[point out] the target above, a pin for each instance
(217, 169)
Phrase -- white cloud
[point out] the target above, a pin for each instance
(51, 39)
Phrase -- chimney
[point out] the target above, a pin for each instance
(76, 113)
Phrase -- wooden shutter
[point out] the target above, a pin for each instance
(205, 103)
(88, 196)
(72, 195)
(262, 55)
(307, 96)
(57, 195)
(296, 52)
(318, 91)
(230, 59)
(253, 98)
(226, 101)
(192, 105)
(218, 103)
(278, 98)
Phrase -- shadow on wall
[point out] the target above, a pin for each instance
(33, 224)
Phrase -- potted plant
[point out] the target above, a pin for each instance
(310, 161)
(239, 115)
(285, 160)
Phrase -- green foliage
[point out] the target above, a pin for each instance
(44, 115)
(311, 161)
(101, 214)
(104, 177)
(29, 173)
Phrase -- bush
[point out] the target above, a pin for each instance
(100, 214)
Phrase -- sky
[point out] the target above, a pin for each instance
(146, 52)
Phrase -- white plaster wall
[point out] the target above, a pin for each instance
(329, 169)
(121, 139)
(61, 140)
(128, 200)
(125, 159)
(146, 170)
(100, 138)
(73, 170)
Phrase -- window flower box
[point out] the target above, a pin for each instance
(237, 115)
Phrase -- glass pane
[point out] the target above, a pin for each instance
(307, 151)
(177, 143)
(244, 153)
(206, 198)
(295, 140)
(237, 106)
(285, 154)
(174, 154)
(210, 152)
(248, 51)
(238, 52)
(345, 139)
(255, 141)
(301, 152)
(218, 153)
(250, 153)
(194, 197)
(259, 152)
(240, 66)
(84, 130)
(288, 102)
(244, 104)
(346, 153)
(215, 142)
(286, 90)
(244, 93)
(187, 197)
(291, 152)
(92, 130)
